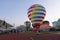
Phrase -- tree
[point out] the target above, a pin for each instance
(21, 28)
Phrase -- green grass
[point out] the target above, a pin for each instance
(43, 32)
(38, 39)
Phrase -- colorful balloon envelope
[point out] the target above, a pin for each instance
(36, 13)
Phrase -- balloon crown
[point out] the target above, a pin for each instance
(36, 5)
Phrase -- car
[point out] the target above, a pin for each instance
(2, 30)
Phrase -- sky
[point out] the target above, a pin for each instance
(15, 11)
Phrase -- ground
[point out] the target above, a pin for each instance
(30, 36)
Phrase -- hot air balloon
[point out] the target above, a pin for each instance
(28, 25)
(36, 14)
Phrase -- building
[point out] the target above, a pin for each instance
(4, 24)
(56, 24)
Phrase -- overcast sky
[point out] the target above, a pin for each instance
(15, 11)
